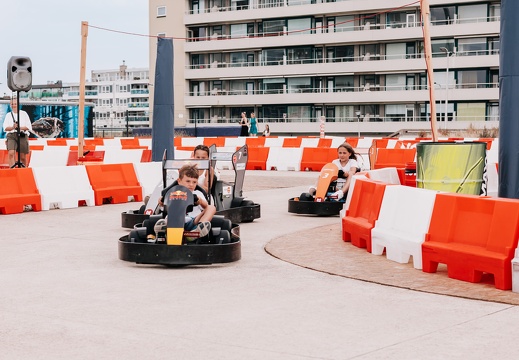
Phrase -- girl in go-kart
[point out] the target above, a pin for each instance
(348, 166)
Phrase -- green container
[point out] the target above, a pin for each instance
(451, 167)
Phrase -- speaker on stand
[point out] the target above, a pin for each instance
(19, 78)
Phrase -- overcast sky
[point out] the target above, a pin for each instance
(49, 32)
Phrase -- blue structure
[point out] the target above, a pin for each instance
(508, 102)
(163, 102)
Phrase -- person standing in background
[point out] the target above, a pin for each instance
(253, 125)
(11, 123)
(244, 122)
(266, 132)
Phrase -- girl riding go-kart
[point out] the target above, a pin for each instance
(328, 195)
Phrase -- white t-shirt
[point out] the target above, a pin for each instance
(197, 209)
(24, 121)
(346, 168)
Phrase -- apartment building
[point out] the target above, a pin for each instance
(120, 96)
(357, 64)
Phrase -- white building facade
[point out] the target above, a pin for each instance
(120, 96)
(357, 63)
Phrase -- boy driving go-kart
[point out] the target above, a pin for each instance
(199, 214)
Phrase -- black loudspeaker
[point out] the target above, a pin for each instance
(19, 73)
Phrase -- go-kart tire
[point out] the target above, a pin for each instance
(130, 218)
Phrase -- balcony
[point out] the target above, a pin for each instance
(139, 91)
(138, 105)
(350, 95)
(366, 63)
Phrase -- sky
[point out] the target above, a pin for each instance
(49, 33)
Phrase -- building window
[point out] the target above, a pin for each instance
(161, 35)
(161, 11)
(471, 111)
(442, 15)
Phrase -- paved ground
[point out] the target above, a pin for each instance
(65, 294)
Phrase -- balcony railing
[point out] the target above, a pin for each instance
(364, 88)
(138, 104)
(351, 119)
(337, 28)
(140, 91)
(364, 57)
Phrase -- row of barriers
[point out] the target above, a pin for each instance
(472, 235)
(265, 153)
(44, 188)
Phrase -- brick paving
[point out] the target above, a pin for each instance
(322, 249)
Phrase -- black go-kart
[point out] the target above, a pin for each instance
(227, 196)
(164, 242)
(321, 204)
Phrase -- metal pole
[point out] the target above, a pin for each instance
(358, 125)
(446, 117)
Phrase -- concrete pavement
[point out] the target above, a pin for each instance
(65, 294)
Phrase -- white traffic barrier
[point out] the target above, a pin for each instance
(114, 155)
(309, 142)
(402, 223)
(492, 179)
(235, 141)
(145, 142)
(149, 175)
(192, 141)
(63, 186)
(274, 142)
(515, 272)
(49, 156)
(386, 175)
(115, 142)
(284, 159)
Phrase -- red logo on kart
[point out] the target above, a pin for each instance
(178, 195)
(234, 159)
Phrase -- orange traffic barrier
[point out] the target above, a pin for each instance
(130, 142)
(292, 142)
(324, 142)
(85, 148)
(257, 158)
(472, 235)
(57, 142)
(18, 189)
(352, 141)
(177, 141)
(255, 141)
(90, 156)
(394, 158)
(114, 183)
(4, 159)
(146, 155)
(95, 141)
(185, 148)
(218, 141)
(127, 147)
(363, 212)
(315, 158)
(488, 141)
